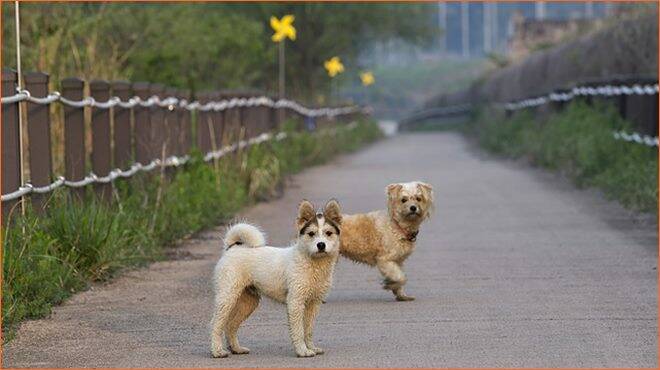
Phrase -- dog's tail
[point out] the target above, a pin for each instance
(244, 234)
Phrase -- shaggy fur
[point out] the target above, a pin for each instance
(386, 238)
(299, 276)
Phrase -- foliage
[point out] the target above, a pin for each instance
(579, 142)
(46, 259)
(329, 29)
(205, 45)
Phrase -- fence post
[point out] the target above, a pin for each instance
(203, 137)
(265, 118)
(185, 126)
(233, 120)
(249, 118)
(216, 123)
(158, 130)
(39, 137)
(101, 153)
(274, 117)
(74, 134)
(142, 123)
(280, 115)
(11, 155)
(641, 112)
(121, 118)
(171, 124)
(244, 118)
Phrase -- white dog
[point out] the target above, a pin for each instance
(299, 276)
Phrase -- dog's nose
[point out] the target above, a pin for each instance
(320, 246)
(413, 209)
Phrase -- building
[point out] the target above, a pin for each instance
(474, 29)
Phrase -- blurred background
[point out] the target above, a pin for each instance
(415, 51)
(571, 87)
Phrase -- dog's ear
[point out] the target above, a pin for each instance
(392, 190)
(332, 212)
(306, 212)
(427, 190)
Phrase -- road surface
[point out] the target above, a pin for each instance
(516, 268)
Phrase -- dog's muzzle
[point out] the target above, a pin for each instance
(414, 212)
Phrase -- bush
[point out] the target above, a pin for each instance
(578, 141)
(46, 259)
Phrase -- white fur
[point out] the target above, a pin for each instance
(246, 234)
(299, 276)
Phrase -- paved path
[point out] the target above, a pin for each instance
(517, 268)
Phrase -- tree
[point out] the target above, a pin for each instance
(205, 46)
(329, 29)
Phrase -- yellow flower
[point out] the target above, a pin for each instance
(367, 78)
(283, 28)
(334, 66)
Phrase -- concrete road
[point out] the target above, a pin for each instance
(517, 268)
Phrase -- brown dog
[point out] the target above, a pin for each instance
(385, 238)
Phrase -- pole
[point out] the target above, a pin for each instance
(19, 82)
(487, 28)
(539, 10)
(465, 29)
(494, 23)
(589, 9)
(442, 23)
(282, 71)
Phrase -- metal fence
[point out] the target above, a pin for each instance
(135, 127)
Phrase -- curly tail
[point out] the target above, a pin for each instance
(245, 235)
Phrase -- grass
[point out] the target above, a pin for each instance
(46, 259)
(578, 141)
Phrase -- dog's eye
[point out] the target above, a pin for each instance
(311, 234)
(328, 233)
(403, 200)
(419, 199)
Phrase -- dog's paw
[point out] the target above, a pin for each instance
(239, 350)
(404, 298)
(219, 353)
(317, 350)
(305, 353)
(391, 285)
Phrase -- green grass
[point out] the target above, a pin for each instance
(46, 259)
(578, 141)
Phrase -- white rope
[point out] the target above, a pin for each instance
(636, 138)
(172, 161)
(172, 102)
(604, 90)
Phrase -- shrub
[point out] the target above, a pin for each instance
(579, 142)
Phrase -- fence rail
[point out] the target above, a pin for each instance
(135, 127)
(648, 91)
